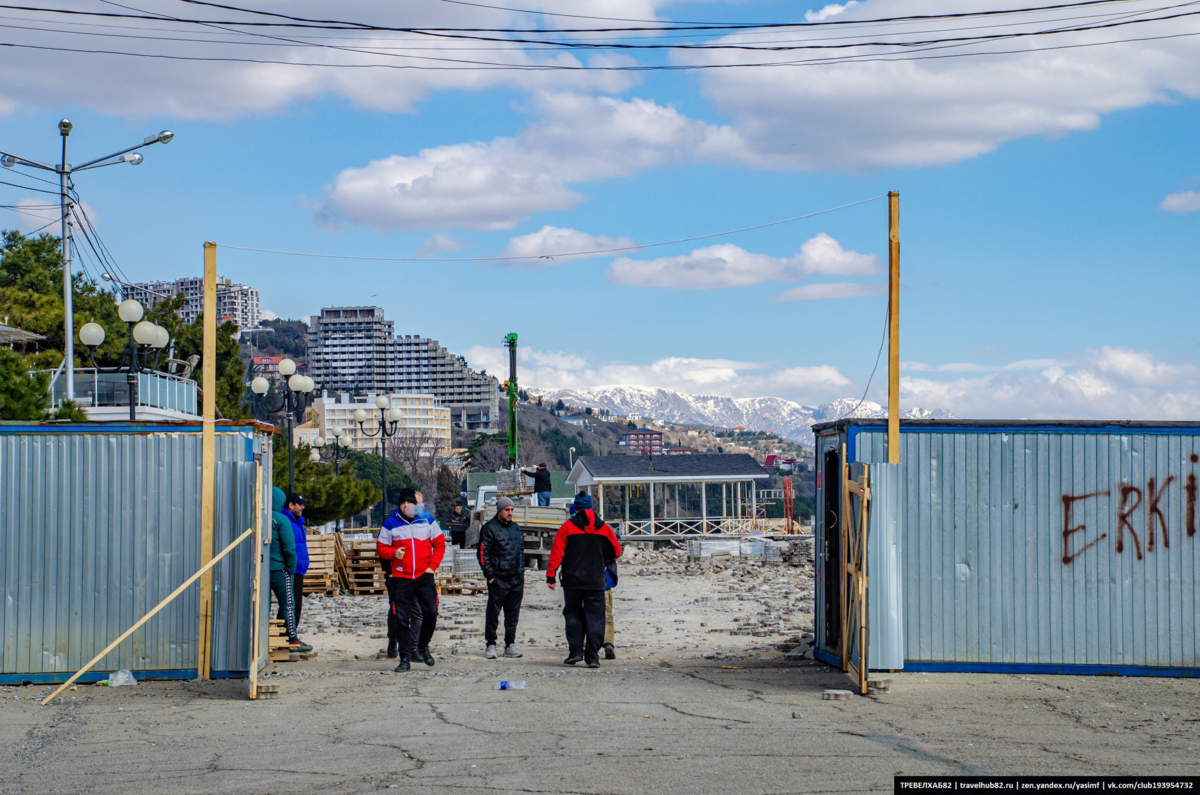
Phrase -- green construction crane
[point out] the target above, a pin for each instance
(510, 386)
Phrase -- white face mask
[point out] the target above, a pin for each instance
(408, 510)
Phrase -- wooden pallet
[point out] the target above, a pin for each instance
(361, 572)
(459, 586)
(277, 642)
(321, 577)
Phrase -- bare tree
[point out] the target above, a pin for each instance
(419, 453)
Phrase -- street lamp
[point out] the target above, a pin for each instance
(387, 417)
(65, 186)
(336, 450)
(290, 400)
(144, 337)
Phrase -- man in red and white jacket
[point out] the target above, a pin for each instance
(414, 544)
(581, 547)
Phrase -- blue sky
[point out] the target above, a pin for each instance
(1042, 274)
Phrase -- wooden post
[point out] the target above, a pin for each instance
(652, 508)
(627, 508)
(204, 570)
(208, 475)
(254, 606)
(893, 437)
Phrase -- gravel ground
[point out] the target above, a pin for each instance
(704, 697)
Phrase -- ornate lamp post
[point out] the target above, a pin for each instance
(144, 337)
(389, 425)
(291, 400)
(335, 450)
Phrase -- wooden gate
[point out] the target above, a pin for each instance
(856, 506)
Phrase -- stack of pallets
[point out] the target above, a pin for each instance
(277, 642)
(360, 571)
(321, 577)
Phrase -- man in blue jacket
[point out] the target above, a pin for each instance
(293, 511)
(283, 567)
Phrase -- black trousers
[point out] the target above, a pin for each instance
(503, 594)
(297, 595)
(393, 623)
(584, 612)
(415, 603)
(281, 586)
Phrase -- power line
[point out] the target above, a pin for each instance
(887, 315)
(593, 253)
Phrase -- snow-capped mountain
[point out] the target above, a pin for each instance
(788, 419)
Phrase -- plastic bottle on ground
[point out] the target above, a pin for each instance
(506, 685)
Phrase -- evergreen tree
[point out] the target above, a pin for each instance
(329, 497)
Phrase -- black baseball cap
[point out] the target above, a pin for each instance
(295, 499)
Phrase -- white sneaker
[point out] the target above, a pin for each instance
(490, 653)
(511, 651)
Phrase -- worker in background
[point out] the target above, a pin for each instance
(460, 520)
(283, 567)
(541, 483)
(414, 544)
(293, 511)
(502, 558)
(582, 546)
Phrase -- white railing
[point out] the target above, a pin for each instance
(711, 526)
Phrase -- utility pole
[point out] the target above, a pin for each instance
(510, 342)
(65, 186)
(893, 437)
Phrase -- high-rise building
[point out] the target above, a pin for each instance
(347, 349)
(235, 302)
(352, 348)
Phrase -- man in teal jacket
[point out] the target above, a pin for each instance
(283, 567)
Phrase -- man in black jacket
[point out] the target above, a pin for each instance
(502, 558)
(541, 483)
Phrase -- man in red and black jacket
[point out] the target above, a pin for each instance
(581, 547)
(412, 543)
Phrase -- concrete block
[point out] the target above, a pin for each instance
(836, 695)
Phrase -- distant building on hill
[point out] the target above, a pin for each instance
(682, 450)
(235, 302)
(643, 441)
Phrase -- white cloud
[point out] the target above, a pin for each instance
(831, 10)
(267, 314)
(1107, 383)
(1185, 202)
(439, 243)
(496, 185)
(829, 291)
(877, 114)
(1112, 382)
(388, 72)
(43, 215)
(550, 245)
(727, 377)
(726, 265)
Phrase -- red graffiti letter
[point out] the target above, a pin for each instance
(1152, 511)
(1191, 505)
(1068, 501)
(1123, 519)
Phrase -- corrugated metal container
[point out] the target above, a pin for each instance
(101, 521)
(1035, 546)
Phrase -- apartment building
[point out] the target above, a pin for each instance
(425, 420)
(643, 441)
(353, 348)
(235, 302)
